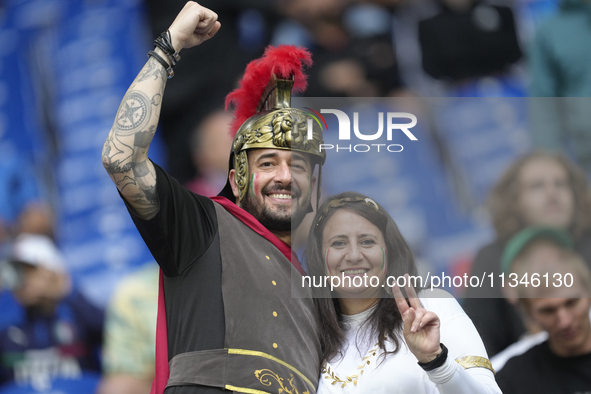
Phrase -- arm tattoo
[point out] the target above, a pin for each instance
(133, 179)
(134, 113)
(157, 99)
(140, 169)
(146, 202)
(117, 156)
(153, 69)
(126, 147)
(126, 181)
(143, 139)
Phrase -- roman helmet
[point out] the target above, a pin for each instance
(263, 117)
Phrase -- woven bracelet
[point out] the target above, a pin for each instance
(168, 68)
(164, 42)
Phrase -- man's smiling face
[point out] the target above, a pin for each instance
(280, 182)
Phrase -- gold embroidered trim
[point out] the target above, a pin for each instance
(475, 362)
(244, 390)
(269, 357)
(263, 376)
(352, 378)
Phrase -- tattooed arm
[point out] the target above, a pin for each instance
(125, 153)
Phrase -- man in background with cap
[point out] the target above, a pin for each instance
(60, 331)
(227, 318)
(561, 306)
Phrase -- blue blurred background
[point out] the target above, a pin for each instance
(66, 64)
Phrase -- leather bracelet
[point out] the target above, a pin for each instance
(168, 39)
(159, 44)
(164, 42)
(437, 361)
(168, 68)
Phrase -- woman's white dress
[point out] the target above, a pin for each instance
(362, 370)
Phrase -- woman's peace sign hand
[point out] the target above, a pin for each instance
(421, 327)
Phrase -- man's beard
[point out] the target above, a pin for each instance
(279, 220)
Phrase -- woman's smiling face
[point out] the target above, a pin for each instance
(353, 247)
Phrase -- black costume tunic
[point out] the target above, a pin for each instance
(232, 322)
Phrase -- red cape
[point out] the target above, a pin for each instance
(162, 371)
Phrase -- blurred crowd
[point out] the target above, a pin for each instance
(54, 335)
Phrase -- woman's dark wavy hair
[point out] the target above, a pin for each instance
(503, 201)
(385, 320)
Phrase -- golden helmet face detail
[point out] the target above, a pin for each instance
(264, 119)
(279, 128)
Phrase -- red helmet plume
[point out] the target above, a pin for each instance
(284, 61)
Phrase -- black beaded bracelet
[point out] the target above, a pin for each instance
(437, 361)
(168, 68)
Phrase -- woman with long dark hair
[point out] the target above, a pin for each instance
(372, 335)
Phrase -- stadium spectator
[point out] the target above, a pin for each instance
(468, 39)
(561, 364)
(22, 208)
(534, 333)
(58, 338)
(351, 44)
(538, 189)
(560, 69)
(210, 143)
(130, 334)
